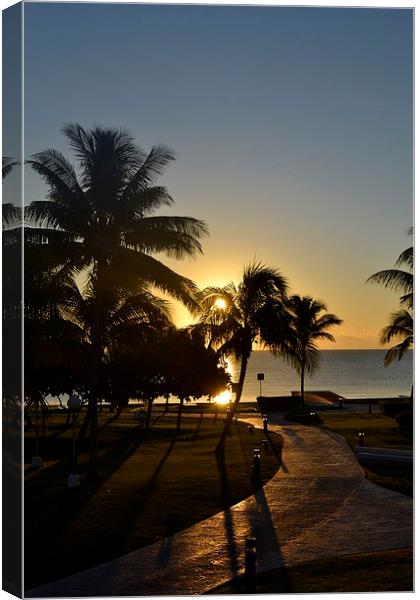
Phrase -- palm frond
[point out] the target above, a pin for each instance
(177, 237)
(8, 165)
(394, 279)
(396, 352)
(406, 258)
(147, 173)
(129, 267)
(11, 215)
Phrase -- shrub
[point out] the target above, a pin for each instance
(307, 418)
(404, 420)
(391, 409)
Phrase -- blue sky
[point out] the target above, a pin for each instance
(292, 127)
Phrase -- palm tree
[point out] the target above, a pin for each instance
(400, 327)
(134, 319)
(309, 323)
(233, 316)
(10, 213)
(99, 219)
(400, 280)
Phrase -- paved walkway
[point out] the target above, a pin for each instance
(318, 505)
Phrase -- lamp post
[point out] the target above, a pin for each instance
(260, 378)
(74, 404)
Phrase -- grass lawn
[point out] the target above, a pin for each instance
(150, 485)
(387, 571)
(380, 432)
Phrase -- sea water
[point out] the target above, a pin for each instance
(350, 373)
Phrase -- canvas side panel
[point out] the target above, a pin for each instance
(12, 299)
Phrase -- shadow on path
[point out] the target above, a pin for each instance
(227, 514)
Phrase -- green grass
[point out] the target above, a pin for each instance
(150, 486)
(380, 432)
(387, 571)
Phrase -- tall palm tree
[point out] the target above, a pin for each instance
(232, 318)
(99, 218)
(397, 279)
(309, 323)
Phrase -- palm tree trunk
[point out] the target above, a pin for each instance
(302, 386)
(221, 443)
(178, 421)
(149, 412)
(96, 339)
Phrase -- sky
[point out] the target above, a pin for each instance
(292, 129)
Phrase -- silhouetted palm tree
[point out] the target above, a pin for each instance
(309, 323)
(400, 327)
(134, 319)
(10, 213)
(399, 280)
(234, 325)
(100, 219)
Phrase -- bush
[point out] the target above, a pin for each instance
(404, 420)
(277, 403)
(391, 409)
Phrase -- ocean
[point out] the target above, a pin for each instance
(350, 373)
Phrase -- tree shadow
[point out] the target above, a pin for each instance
(269, 552)
(227, 514)
(46, 524)
(277, 453)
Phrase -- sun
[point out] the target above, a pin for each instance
(220, 304)
(223, 398)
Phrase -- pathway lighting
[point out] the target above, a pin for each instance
(265, 423)
(251, 429)
(74, 404)
(361, 438)
(257, 462)
(250, 564)
(340, 402)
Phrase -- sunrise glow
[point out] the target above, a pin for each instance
(223, 398)
(220, 304)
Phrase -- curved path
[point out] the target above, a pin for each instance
(318, 505)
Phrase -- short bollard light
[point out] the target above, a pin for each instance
(265, 423)
(257, 462)
(361, 438)
(340, 403)
(74, 405)
(250, 429)
(250, 564)
(264, 444)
